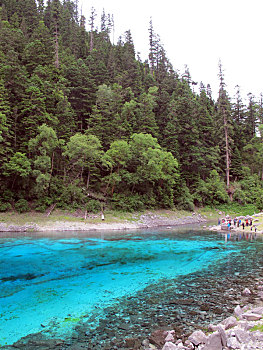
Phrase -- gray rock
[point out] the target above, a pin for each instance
(230, 322)
(233, 343)
(189, 345)
(251, 317)
(169, 338)
(223, 335)
(212, 327)
(246, 292)
(198, 337)
(257, 336)
(214, 342)
(257, 310)
(238, 311)
(170, 346)
(242, 336)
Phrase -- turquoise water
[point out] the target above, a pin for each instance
(50, 284)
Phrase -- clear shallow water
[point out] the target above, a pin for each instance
(50, 284)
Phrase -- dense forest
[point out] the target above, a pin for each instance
(84, 123)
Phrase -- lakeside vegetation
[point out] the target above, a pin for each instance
(86, 125)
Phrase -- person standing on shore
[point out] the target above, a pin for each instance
(243, 225)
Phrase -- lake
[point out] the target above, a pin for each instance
(83, 286)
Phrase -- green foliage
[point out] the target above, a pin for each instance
(97, 119)
(249, 190)
(42, 204)
(183, 198)
(19, 165)
(212, 191)
(238, 209)
(22, 206)
(128, 203)
(4, 206)
(72, 197)
(93, 206)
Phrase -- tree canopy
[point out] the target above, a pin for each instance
(82, 117)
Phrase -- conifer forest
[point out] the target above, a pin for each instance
(85, 123)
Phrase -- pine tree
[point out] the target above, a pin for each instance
(224, 123)
(92, 27)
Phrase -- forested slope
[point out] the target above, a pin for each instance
(84, 122)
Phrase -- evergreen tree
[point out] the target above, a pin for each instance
(224, 124)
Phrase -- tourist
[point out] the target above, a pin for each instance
(243, 225)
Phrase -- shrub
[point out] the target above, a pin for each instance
(22, 206)
(129, 203)
(5, 206)
(42, 204)
(184, 200)
(93, 206)
(71, 197)
(212, 191)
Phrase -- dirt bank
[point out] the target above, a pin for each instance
(147, 220)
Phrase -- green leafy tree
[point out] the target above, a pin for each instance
(43, 148)
(84, 152)
(19, 166)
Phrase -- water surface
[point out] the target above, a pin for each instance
(52, 284)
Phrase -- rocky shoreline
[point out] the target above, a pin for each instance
(243, 330)
(145, 221)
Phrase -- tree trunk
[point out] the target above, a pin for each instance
(56, 48)
(88, 180)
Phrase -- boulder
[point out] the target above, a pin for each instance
(189, 345)
(198, 337)
(257, 336)
(132, 343)
(242, 336)
(223, 335)
(249, 316)
(257, 310)
(246, 292)
(158, 338)
(233, 343)
(212, 327)
(229, 322)
(170, 336)
(238, 311)
(170, 346)
(213, 342)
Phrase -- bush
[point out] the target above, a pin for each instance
(184, 200)
(127, 203)
(42, 204)
(5, 207)
(93, 206)
(22, 206)
(238, 209)
(212, 191)
(72, 197)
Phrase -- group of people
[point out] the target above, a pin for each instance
(237, 222)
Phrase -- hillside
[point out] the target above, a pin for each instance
(84, 123)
